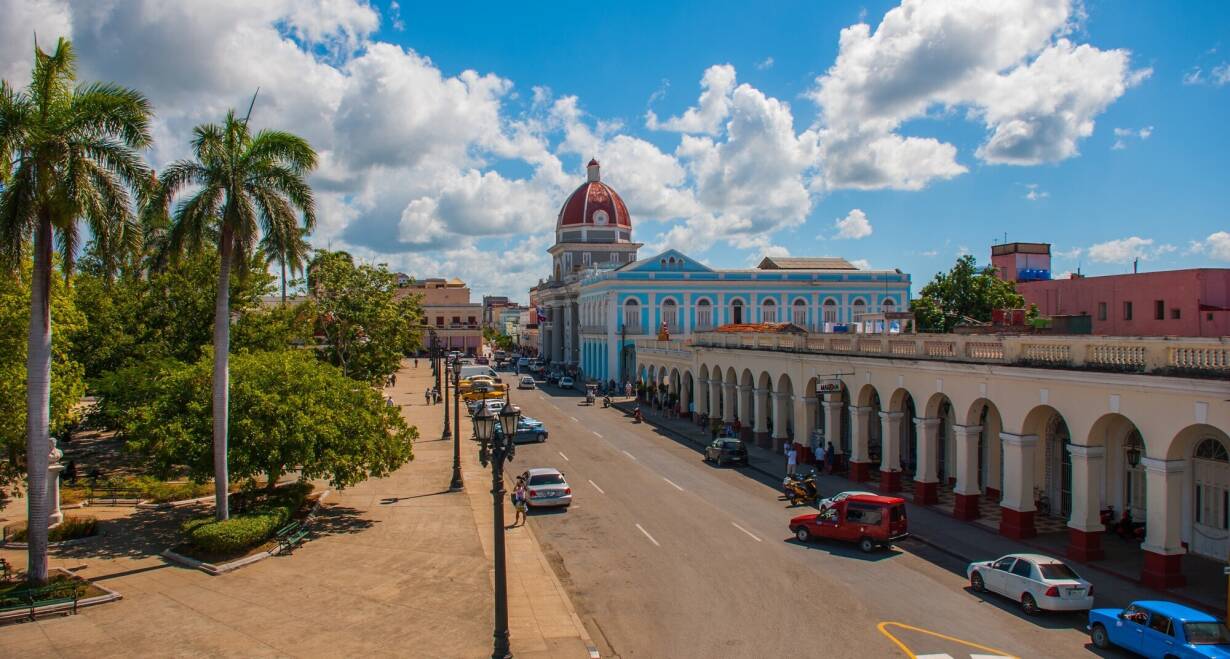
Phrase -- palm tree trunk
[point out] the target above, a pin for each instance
(283, 281)
(38, 402)
(221, 393)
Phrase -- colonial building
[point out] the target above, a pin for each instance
(1190, 302)
(449, 314)
(600, 297)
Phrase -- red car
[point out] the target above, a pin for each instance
(870, 520)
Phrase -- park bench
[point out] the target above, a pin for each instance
(32, 599)
(292, 534)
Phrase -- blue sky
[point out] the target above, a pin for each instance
(451, 132)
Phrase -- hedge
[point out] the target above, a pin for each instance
(250, 528)
(73, 527)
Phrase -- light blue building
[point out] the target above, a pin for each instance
(600, 299)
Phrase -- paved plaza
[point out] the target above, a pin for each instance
(399, 566)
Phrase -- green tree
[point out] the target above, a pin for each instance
(367, 326)
(965, 291)
(289, 412)
(288, 250)
(168, 314)
(67, 154)
(242, 184)
(67, 383)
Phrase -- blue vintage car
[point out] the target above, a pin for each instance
(1160, 629)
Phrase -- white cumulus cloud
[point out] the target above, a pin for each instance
(712, 108)
(1216, 246)
(1127, 249)
(854, 225)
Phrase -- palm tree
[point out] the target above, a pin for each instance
(242, 184)
(66, 154)
(289, 250)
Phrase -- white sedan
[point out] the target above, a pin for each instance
(828, 503)
(1037, 582)
(546, 487)
(527, 382)
(565, 382)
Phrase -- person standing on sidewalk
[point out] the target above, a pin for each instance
(820, 457)
(519, 502)
(792, 457)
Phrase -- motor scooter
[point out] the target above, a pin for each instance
(606, 402)
(800, 489)
(636, 415)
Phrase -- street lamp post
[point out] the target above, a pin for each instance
(457, 484)
(495, 451)
(442, 387)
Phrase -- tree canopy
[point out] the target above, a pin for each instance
(288, 411)
(965, 291)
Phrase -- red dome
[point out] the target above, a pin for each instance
(594, 204)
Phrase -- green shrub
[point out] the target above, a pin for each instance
(73, 527)
(240, 533)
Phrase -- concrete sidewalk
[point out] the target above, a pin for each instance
(398, 566)
(966, 541)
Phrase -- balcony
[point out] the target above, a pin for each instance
(593, 329)
(1149, 355)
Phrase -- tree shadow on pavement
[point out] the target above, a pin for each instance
(339, 520)
(142, 534)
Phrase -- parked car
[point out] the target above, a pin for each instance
(565, 382)
(528, 430)
(527, 382)
(1160, 629)
(871, 520)
(825, 504)
(726, 451)
(1036, 582)
(546, 486)
(524, 362)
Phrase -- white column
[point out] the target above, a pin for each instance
(803, 419)
(928, 449)
(890, 441)
(780, 400)
(761, 397)
(745, 404)
(1087, 470)
(684, 398)
(702, 396)
(729, 404)
(966, 439)
(860, 437)
(1018, 471)
(1163, 496)
(715, 398)
(832, 423)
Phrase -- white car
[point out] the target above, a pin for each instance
(545, 487)
(495, 405)
(565, 382)
(825, 504)
(1037, 582)
(526, 382)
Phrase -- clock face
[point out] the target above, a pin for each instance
(600, 217)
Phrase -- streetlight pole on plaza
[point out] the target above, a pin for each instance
(442, 383)
(457, 485)
(494, 452)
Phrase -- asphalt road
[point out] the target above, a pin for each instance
(667, 556)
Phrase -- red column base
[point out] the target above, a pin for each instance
(1085, 546)
(926, 494)
(762, 439)
(860, 471)
(1162, 571)
(965, 507)
(1016, 524)
(890, 481)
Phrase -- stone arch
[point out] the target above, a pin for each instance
(1186, 440)
(905, 445)
(866, 395)
(1125, 484)
(984, 414)
(1053, 461)
(687, 393)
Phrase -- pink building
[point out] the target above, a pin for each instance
(1193, 302)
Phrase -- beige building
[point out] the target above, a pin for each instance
(448, 314)
(1032, 432)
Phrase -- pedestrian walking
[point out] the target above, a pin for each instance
(820, 457)
(519, 502)
(416, 362)
(832, 456)
(393, 377)
(427, 396)
(792, 457)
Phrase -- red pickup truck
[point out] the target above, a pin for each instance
(870, 520)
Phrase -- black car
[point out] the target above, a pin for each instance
(726, 451)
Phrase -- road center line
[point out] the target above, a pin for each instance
(561, 454)
(629, 455)
(672, 483)
(749, 533)
(600, 490)
(596, 433)
(574, 419)
(655, 542)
